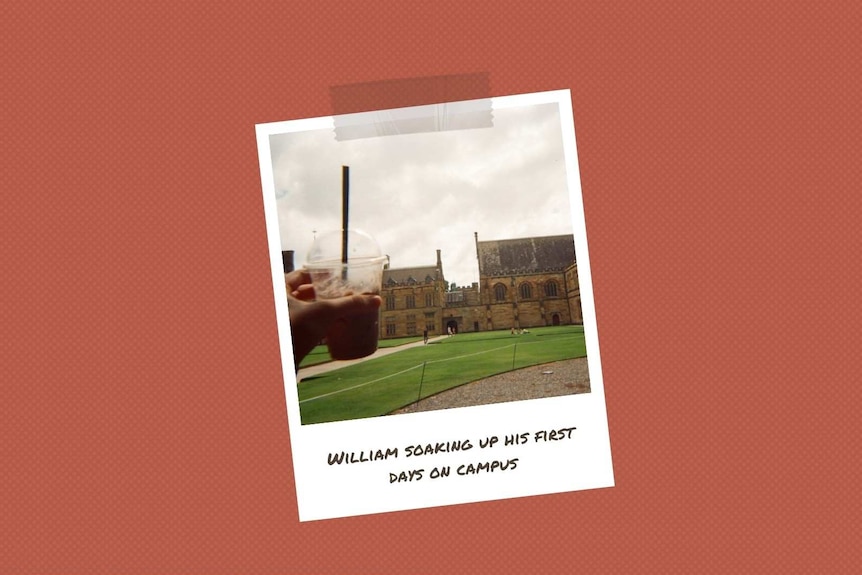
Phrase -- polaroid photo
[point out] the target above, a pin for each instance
(434, 305)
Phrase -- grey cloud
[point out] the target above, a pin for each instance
(420, 192)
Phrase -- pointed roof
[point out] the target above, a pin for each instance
(525, 255)
(407, 276)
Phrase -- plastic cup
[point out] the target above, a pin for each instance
(354, 336)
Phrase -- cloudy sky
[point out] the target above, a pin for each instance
(419, 192)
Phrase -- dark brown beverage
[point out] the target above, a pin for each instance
(353, 337)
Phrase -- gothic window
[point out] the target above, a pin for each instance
(500, 292)
(526, 291)
(390, 302)
(551, 289)
(411, 301)
(429, 300)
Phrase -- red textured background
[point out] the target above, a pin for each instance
(142, 420)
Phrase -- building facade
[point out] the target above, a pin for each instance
(523, 283)
(529, 282)
(413, 300)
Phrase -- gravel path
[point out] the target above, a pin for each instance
(547, 380)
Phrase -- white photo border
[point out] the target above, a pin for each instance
(581, 461)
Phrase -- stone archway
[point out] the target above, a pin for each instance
(555, 319)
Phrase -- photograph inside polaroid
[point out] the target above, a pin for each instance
(475, 374)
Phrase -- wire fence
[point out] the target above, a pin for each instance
(375, 394)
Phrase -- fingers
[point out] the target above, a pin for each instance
(353, 304)
(299, 285)
(304, 292)
(297, 278)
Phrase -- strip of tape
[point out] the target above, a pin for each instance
(411, 105)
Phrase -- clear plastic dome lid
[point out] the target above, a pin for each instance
(328, 246)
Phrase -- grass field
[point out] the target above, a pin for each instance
(382, 385)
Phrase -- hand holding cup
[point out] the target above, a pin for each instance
(312, 320)
(355, 273)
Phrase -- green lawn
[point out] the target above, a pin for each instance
(382, 385)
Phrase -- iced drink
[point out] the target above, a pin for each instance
(356, 335)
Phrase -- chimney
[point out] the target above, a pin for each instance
(439, 261)
(287, 260)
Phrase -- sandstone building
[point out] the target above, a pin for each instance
(529, 282)
(413, 300)
(523, 283)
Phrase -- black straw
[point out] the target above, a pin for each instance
(345, 203)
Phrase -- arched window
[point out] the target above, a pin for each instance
(526, 291)
(500, 292)
(551, 289)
